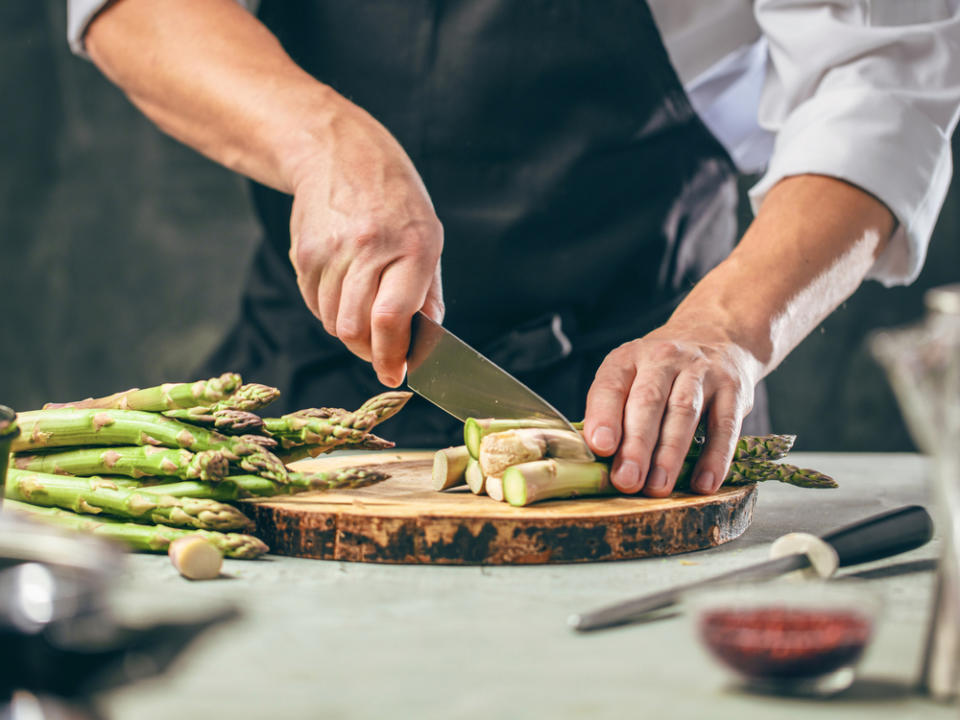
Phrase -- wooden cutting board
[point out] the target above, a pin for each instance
(403, 520)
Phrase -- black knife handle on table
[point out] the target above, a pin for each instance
(882, 535)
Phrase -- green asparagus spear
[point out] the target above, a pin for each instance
(43, 429)
(163, 397)
(327, 433)
(97, 495)
(148, 538)
(225, 421)
(368, 441)
(241, 486)
(249, 397)
(133, 461)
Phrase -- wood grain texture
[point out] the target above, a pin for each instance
(403, 520)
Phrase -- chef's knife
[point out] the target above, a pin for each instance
(873, 538)
(459, 380)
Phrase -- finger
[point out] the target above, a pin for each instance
(642, 418)
(433, 306)
(329, 291)
(724, 419)
(308, 265)
(680, 419)
(357, 294)
(401, 293)
(606, 398)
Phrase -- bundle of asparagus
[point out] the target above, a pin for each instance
(522, 462)
(158, 464)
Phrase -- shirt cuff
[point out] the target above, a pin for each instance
(80, 13)
(884, 146)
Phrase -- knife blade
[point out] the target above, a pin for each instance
(462, 382)
(873, 538)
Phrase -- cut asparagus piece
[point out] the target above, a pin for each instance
(474, 477)
(195, 557)
(449, 467)
(500, 450)
(163, 397)
(236, 487)
(494, 488)
(148, 538)
(553, 479)
(134, 461)
(225, 421)
(327, 433)
(96, 495)
(71, 427)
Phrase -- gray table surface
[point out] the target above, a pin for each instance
(323, 639)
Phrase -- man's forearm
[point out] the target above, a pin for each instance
(809, 248)
(211, 75)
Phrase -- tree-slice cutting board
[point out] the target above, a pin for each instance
(403, 520)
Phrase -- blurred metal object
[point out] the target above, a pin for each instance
(8, 432)
(923, 365)
(60, 642)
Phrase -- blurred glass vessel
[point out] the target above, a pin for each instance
(922, 363)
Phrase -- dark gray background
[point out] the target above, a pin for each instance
(123, 254)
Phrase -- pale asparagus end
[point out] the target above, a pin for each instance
(449, 467)
(195, 558)
(494, 487)
(474, 477)
(554, 479)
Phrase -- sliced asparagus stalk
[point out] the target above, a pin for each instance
(96, 495)
(500, 450)
(148, 538)
(549, 479)
(449, 467)
(195, 557)
(163, 397)
(474, 477)
(494, 488)
(134, 461)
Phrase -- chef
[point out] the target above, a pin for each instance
(555, 181)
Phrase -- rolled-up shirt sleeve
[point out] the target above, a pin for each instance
(80, 13)
(867, 91)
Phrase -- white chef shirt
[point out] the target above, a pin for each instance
(867, 91)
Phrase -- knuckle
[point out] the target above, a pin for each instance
(685, 403)
(648, 395)
(385, 318)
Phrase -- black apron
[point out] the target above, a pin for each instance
(581, 197)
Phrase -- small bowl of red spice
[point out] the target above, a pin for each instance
(802, 637)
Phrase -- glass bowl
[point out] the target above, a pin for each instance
(788, 637)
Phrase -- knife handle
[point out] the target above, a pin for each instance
(882, 535)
